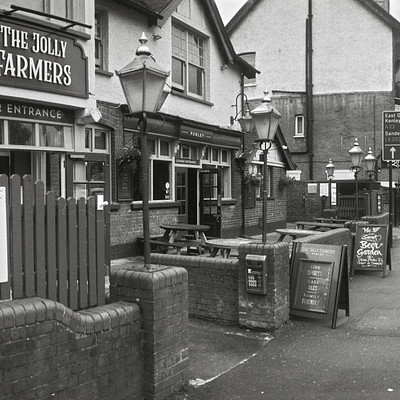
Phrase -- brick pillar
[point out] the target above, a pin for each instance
(271, 310)
(163, 298)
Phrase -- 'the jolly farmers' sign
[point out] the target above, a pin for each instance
(37, 59)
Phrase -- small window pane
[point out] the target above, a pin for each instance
(97, 171)
(51, 135)
(195, 80)
(193, 151)
(224, 156)
(164, 148)
(88, 135)
(100, 140)
(21, 133)
(152, 146)
(161, 180)
(215, 155)
(79, 173)
(178, 72)
(1, 133)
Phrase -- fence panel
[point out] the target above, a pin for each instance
(40, 244)
(16, 237)
(5, 286)
(28, 252)
(56, 246)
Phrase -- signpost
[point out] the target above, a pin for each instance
(391, 135)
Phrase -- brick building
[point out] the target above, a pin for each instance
(333, 67)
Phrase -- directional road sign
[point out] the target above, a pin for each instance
(391, 135)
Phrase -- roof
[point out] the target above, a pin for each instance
(154, 9)
(370, 4)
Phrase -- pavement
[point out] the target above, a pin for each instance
(306, 359)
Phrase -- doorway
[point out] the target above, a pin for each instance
(187, 195)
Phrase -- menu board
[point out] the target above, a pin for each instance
(319, 281)
(370, 248)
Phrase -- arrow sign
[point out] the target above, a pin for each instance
(391, 135)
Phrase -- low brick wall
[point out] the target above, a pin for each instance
(212, 285)
(380, 219)
(217, 286)
(122, 350)
(49, 351)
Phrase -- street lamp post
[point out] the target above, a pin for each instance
(266, 120)
(370, 162)
(330, 170)
(143, 81)
(356, 156)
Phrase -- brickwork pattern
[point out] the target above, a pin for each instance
(212, 285)
(49, 351)
(162, 294)
(268, 311)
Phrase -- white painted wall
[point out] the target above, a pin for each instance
(352, 46)
(126, 27)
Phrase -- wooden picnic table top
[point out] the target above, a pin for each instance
(232, 243)
(330, 220)
(315, 225)
(185, 227)
(295, 232)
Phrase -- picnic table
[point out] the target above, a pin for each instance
(225, 246)
(295, 233)
(311, 225)
(181, 235)
(331, 220)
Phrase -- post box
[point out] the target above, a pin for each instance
(256, 273)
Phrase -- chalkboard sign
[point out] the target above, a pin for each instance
(371, 250)
(319, 281)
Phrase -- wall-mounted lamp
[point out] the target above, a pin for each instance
(245, 120)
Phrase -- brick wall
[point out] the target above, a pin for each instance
(49, 351)
(217, 287)
(162, 293)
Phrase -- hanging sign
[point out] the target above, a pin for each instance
(40, 59)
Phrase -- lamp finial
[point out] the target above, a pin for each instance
(266, 98)
(143, 49)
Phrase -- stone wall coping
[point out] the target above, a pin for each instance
(15, 313)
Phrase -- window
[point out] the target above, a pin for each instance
(220, 157)
(188, 62)
(71, 9)
(160, 168)
(299, 125)
(96, 140)
(251, 59)
(100, 40)
(21, 133)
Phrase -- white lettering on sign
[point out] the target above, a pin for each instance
(3, 237)
(26, 67)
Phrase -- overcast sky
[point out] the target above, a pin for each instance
(228, 8)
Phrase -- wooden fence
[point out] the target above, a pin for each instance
(56, 246)
(347, 206)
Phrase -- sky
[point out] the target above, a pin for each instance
(228, 8)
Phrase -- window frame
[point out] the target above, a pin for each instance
(250, 58)
(297, 132)
(182, 54)
(101, 39)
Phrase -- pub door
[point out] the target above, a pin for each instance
(186, 195)
(89, 175)
(211, 200)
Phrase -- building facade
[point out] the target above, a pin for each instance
(332, 67)
(64, 118)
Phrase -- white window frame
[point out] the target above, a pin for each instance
(101, 39)
(184, 58)
(299, 125)
(91, 148)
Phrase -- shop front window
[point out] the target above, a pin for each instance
(21, 133)
(51, 135)
(161, 180)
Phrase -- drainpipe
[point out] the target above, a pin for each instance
(243, 227)
(309, 91)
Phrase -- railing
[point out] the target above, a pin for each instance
(56, 247)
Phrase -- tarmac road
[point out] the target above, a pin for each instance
(307, 359)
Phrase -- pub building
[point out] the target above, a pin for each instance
(47, 116)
